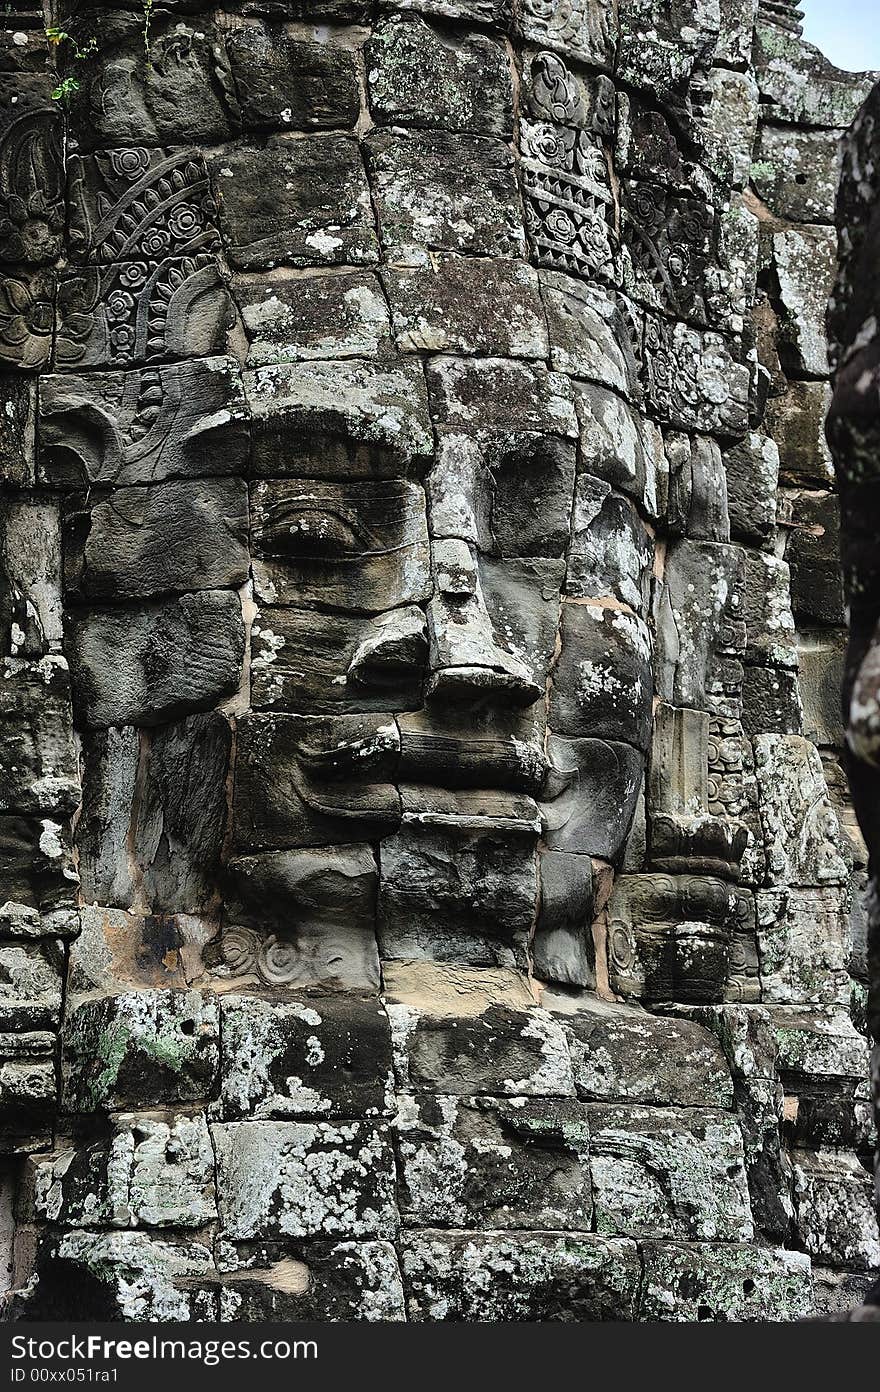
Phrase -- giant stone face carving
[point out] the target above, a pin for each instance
(409, 624)
(411, 850)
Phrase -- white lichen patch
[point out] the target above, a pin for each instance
(305, 1180)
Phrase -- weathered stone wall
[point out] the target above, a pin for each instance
(854, 433)
(427, 877)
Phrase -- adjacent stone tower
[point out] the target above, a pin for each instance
(854, 434)
(427, 887)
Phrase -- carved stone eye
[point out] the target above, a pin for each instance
(318, 534)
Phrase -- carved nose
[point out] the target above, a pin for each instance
(468, 663)
(468, 685)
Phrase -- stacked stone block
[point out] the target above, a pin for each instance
(39, 770)
(851, 430)
(795, 173)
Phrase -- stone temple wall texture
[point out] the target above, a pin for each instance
(427, 885)
(853, 430)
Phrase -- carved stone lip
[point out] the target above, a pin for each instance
(487, 778)
(466, 809)
(442, 759)
(430, 757)
(422, 797)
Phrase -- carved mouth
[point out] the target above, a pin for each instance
(387, 805)
(395, 753)
(373, 780)
(469, 809)
(472, 761)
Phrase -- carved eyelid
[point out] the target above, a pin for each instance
(339, 521)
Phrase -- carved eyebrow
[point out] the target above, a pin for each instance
(364, 540)
(371, 521)
(278, 513)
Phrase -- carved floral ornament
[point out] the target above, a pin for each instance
(582, 28)
(31, 192)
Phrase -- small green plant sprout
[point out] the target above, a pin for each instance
(69, 85)
(64, 91)
(57, 37)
